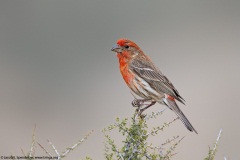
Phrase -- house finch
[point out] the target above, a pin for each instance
(146, 80)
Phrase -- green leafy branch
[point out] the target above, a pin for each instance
(135, 145)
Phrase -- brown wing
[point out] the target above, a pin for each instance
(146, 70)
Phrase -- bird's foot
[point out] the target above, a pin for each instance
(138, 103)
(141, 102)
(139, 113)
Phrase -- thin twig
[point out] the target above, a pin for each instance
(172, 148)
(154, 114)
(47, 152)
(120, 155)
(215, 145)
(75, 145)
(54, 148)
(23, 152)
(32, 148)
(170, 140)
(218, 138)
(161, 128)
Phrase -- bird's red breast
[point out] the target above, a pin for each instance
(124, 67)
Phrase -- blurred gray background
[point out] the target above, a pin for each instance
(57, 71)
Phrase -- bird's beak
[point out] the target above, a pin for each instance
(116, 48)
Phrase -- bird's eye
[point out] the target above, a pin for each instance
(126, 47)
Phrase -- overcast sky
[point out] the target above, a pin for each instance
(57, 70)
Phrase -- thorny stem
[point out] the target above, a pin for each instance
(215, 145)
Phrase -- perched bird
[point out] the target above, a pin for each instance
(146, 80)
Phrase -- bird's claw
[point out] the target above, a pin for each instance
(142, 116)
(137, 103)
(139, 113)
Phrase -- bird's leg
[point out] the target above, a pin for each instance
(139, 103)
(143, 109)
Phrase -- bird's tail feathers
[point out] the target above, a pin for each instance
(174, 107)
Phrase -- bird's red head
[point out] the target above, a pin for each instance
(126, 42)
(126, 48)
